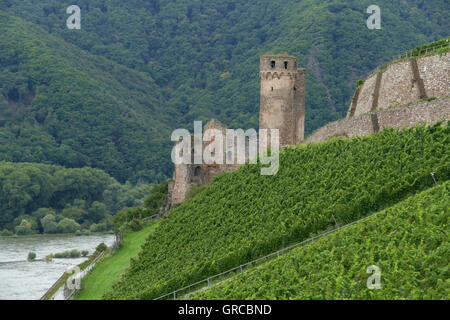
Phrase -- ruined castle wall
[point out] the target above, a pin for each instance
(282, 97)
(435, 72)
(404, 82)
(397, 86)
(181, 183)
(424, 112)
(277, 105)
(404, 116)
(299, 103)
(357, 126)
(366, 95)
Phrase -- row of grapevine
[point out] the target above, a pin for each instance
(408, 242)
(243, 215)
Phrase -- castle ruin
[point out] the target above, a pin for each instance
(407, 92)
(282, 102)
(282, 107)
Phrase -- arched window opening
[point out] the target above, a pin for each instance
(285, 64)
(272, 64)
(197, 171)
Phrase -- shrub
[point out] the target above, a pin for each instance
(84, 253)
(67, 225)
(31, 256)
(6, 233)
(74, 253)
(359, 83)
(67, 254)
(134, 225)
(101, 247)
(24, 228)
(49, 224)
(101, 227)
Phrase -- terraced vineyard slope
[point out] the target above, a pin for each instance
(409, 242)
(243, 215)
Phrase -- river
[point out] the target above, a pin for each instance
(24, 280)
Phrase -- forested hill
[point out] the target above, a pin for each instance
(62, 105)
(195, 60)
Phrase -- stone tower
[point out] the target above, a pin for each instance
(282, 104)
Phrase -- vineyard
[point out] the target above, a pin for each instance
(243, 215)
(408, 242)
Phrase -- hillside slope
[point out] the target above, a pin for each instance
(100, 280)
(409, 242)
(243, 215)
(204, 59)
(62, 105)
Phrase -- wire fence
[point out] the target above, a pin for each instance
(413, 53)
(220, 277)
(151, 218)
(80, 275)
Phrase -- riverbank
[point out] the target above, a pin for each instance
(101, 278)
(56, 235)
(29, 280)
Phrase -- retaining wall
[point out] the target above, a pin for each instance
(428, 112)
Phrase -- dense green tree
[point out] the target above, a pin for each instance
(49, 224)
(32, 191)
(67, 225)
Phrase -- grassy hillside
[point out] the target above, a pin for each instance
(243, 215)
(109, 269)
(199, 59)
(409, 242)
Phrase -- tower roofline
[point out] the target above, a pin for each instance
(278, 56)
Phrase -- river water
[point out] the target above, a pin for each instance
(24, 280)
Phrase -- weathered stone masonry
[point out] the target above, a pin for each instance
(403, 82)
(428, 112)
(282, 103)
(282, 107)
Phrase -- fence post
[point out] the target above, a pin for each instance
(208, 282)
(241, 268)
(174, 295)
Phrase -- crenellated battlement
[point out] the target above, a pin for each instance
(269, 75)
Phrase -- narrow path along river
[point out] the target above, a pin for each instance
(24, 280)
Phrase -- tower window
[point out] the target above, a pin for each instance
(197, 171)
(295, 88)
(271, 88)
(272, 64)
(285, 64)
